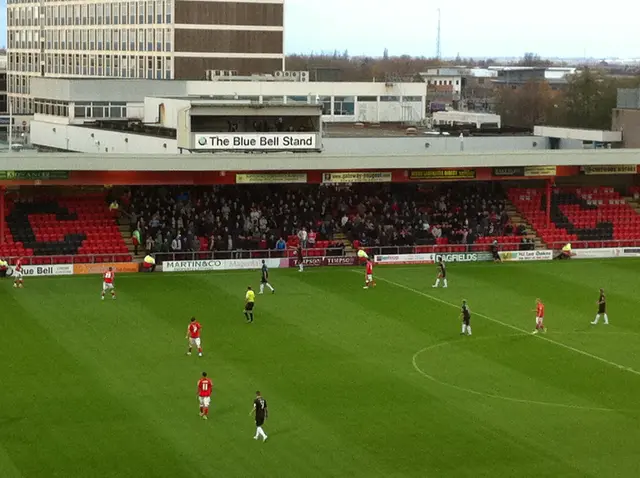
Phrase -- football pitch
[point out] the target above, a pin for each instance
(359, 383)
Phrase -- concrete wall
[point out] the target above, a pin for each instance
(26, 161)
(78, 138)
(172, 108)
(436, 145)
(627, 121)
(104, 89)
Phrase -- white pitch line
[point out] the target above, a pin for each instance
(513, 327)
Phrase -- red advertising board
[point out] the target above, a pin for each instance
(325, 261)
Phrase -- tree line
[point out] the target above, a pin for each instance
(587, 101)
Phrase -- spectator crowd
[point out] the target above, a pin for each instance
(229, 218)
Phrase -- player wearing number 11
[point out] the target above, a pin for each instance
(204, 395)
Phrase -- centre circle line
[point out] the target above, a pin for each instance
(504, 397)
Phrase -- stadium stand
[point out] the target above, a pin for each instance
(449, 217)
(584, 216)
(71, 229)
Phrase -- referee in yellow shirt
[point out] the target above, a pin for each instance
(249, 301)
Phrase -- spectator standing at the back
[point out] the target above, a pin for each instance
(303, 236)
(135, 238)
(312, 238)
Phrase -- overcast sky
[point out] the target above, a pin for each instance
(551, 28)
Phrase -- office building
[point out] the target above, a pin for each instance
(150, 39)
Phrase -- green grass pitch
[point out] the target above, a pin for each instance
(360, 383)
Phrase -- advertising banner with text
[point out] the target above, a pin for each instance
(610, 169)
(52, 270)
(421, 175)
(602, 253)
(540, 170)
(207, 265)
(33, 175)
(102, 268)
(272, 178)
(464, 257)
(256, 141)
(325, 261)
(508, 172)
(342, 178)
(518, 256)
(606, 253)
(404, 259)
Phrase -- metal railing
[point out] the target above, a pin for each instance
(314, 252)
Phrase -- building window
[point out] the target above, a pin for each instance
(412, 99)
(325, 101)
(344, 106)
(368, 99)
(389, 98)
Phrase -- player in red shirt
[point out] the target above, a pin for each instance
(204, 395)
(539, 317)
(193, 334)
(17, 274)
(108, 283)
(368, 278)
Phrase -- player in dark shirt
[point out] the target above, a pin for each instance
(465, 314)
(442, 274)
(261, 414)
(495, 252)
(264, 279)
(602, 309)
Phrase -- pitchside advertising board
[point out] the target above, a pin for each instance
(44, 271)
(326, 261)
(525, 256)
(219, 265)
(606, 253)
(256, 142)
(400, 259)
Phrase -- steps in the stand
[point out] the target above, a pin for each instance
(634, 203)
(125, 232)
(518, 220)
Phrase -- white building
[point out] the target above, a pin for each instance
(78, 101)
(448, 80)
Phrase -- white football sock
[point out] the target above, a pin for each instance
(596, 319)
(464, 328)
(261, 288)
(269, 286)
(261, 432)
(469, 329)
(437, 283)
(445, 282)
(606, 319)
(301, 267)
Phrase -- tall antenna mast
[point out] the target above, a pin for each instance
(438, 51)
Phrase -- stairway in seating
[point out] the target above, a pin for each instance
(125, 231)
(634, 203)
(348, 247)
(517, 220)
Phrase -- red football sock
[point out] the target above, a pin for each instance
(206, 411)
(201, 410)
(200, 350)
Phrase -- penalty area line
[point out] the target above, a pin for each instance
(512, 327)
